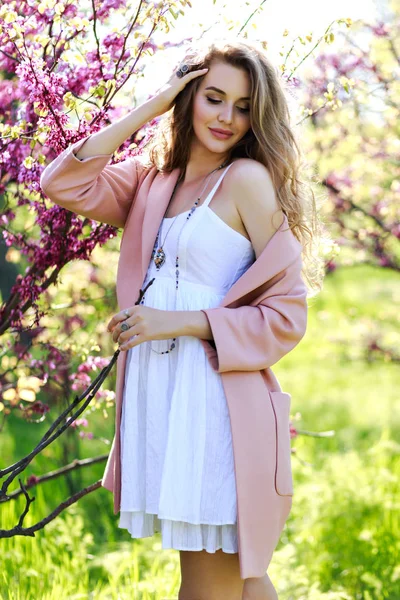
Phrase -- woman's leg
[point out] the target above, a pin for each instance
(208, 576)
(259, 588)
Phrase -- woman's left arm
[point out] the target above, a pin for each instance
(251, 338)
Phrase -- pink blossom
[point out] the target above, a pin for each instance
(79, 422)
(39, 407)
(80, 381)
(32, 480)
(380, 30)
(396, 230)
(384, 261)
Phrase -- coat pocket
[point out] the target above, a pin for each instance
(283, 470)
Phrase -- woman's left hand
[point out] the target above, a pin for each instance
(145, 323)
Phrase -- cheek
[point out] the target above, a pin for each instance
(246, 126)
(202, 111)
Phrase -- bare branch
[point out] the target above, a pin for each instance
(76, 464)
(30, 531)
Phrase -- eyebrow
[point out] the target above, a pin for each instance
(211, 87)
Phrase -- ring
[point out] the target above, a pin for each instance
(126, 313)
(182, 70)
(124, 326)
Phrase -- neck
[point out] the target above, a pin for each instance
(201, 163)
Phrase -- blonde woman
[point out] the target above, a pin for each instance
(217, 230)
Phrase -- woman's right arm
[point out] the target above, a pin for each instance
(80, 179)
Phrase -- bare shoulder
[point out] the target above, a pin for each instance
(245, 167)
(251, 188)
(250, 182)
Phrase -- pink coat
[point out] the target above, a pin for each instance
(262, 317)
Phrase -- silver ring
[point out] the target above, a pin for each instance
(124, 326)
(183, 69)
(126, 313)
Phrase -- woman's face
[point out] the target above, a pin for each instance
(222, 102)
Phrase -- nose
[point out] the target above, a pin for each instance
(226, 114)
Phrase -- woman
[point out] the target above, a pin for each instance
(223, 301)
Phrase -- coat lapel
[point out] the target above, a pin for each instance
(156, 204)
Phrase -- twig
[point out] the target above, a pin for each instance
(30, 531)
(251, 16)
(76, 464)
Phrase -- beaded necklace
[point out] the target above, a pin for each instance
(158, 255)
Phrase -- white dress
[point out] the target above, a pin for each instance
(177, 469)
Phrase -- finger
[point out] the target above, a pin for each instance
(121, 316)
(125, 335)
(199, 72)
(192, 74)
(118, 332)
(114, 321)
(135, 341)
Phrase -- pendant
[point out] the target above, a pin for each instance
(159, 258)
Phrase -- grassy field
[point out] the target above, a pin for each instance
(342, 538)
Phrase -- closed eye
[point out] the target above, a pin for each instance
(213, 101)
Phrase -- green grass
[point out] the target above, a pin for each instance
(342, 538)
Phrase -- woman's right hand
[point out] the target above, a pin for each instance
(163, 100)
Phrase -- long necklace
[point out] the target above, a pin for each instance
(158, 255)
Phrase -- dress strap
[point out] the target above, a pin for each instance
(211, 194)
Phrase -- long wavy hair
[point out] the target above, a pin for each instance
(270, 140)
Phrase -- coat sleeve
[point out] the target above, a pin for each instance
(252, 338)
(91, 187)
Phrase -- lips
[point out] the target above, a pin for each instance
(220, 133)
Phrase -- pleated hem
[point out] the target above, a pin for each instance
(180, 535)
